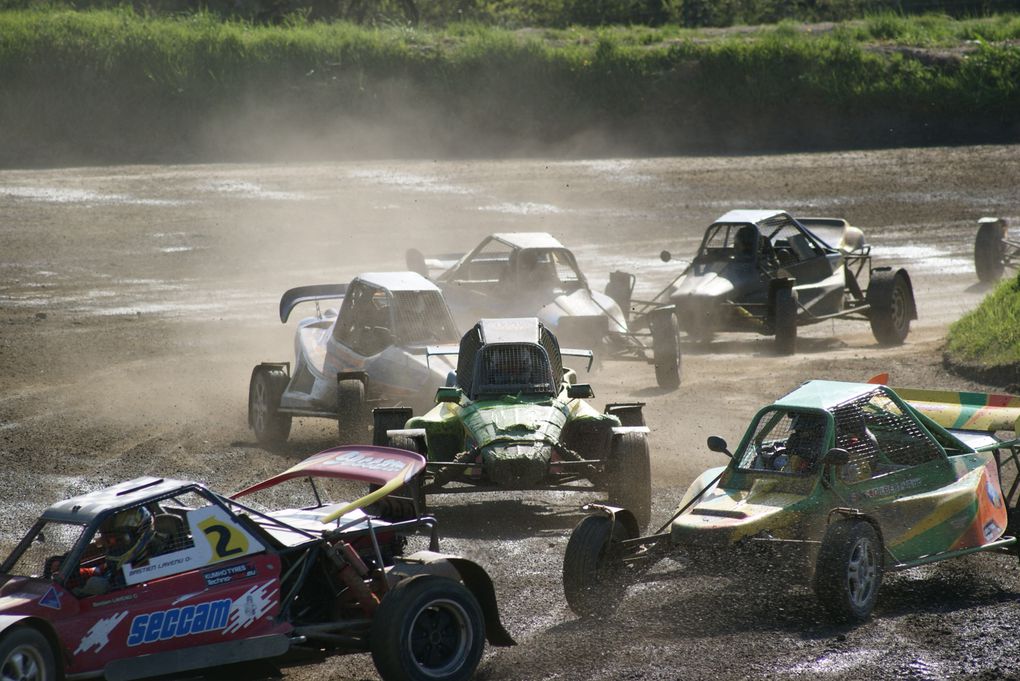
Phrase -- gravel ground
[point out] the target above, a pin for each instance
(135, 300)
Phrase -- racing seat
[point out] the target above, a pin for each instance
(172, 531)
(745, 242)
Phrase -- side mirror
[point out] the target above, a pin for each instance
(580, 391)
(665, 256)
(717, 444)
(449, 394)
(836, 457)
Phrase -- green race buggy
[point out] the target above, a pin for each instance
(513, 418)
(836, 483)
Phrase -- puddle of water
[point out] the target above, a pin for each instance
(61, 195)
(522, 208)
(172, 309)
(418, 183)
(250, 190)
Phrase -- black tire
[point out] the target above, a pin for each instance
(848, 573)
(890, 298)
(593, 577)
(384, 421)
(271, 427)
(666, 349)
(353, 415)
(629, 483)
(427, 628)
(416, 492)
(989, 252)
(25, 654)
(785, 316)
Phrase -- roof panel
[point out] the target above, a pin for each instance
(528, 239)
(825, 394)
(398, 281)
(510, 330)
(84, 507)
(752, 216)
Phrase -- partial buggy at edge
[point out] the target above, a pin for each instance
(835, 483)
(211, 581)
(994, 251)
(516, 419)
(369, 353)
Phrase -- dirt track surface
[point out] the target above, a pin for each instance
(135, 300)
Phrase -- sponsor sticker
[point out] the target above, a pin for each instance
(359, 460)
(886, 490)
(993, 493)
(50, 599)
(163, 625)
(992, 530)
(229, 574)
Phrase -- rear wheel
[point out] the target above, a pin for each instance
(629, 483)
(353, 415)
(666, 349)
(989, 251)
(785, 316)
(593, 575)
(26, 655)
(427, 628)
(889, 297)
(849, 570)
(271, 427)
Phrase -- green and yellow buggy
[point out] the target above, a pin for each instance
(835, 482)
(513, 418)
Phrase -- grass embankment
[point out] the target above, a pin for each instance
(114, 86)
(988, 337)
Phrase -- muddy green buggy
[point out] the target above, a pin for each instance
(513, 418)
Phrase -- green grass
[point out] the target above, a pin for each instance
(112, 83)
(989, 335)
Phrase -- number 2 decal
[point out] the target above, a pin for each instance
(225, 541)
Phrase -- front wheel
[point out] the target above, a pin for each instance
(353, 415)
(270, 426)
(26, 655)
(666, 349)
(427, 628)
(848, 573)
(592, 571)
(890, 298)
(630, 476)
(989, 252)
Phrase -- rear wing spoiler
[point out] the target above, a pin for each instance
(985, 412)
(574, 352)
(440, 351)
(306, 294)
(432, 266)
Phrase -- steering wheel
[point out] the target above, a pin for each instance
(770, 456)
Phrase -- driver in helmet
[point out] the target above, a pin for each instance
(127, 537)
(509, 366)
(804, 445)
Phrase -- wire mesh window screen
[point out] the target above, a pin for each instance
(505, 369)
(784, 441)
(900, 439)
(422, 317)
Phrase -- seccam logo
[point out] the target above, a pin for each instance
(359, 460)
(191, 619)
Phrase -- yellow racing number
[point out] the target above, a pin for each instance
(225, 540)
